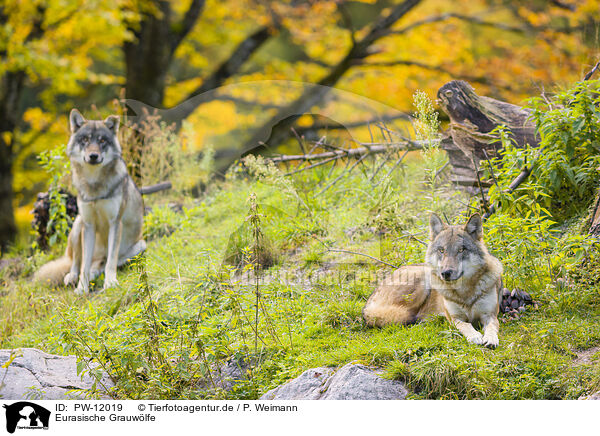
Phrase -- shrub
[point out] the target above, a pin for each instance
(58, 167)
(564, 167)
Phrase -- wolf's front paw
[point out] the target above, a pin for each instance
(71, 279)
(110, 282)
(490, 341)
(95, 273)
(82, 288)
(475, 338)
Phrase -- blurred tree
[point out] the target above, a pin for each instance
(45, 50)
(54, 53)
(277, 129)
(158, 32)
(510, 47)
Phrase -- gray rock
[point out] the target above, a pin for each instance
(350, 382)
(358, 382)
(595, 396)
(35, 374)
(229, 374)
(310, 385)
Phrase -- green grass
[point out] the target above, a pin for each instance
(181, 309)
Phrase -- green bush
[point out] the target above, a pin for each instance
(58, 167)
(564, 167)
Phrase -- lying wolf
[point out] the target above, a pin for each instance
(460, 280)
(108, 229)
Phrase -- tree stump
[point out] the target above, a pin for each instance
(594, 229)
(468, 140)
(41, 215)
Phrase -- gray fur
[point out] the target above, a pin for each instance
(108, 230)
(460, 280)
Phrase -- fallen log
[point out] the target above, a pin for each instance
(145, 190)
(357, 152)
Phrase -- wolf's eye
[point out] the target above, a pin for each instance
(441, 250)
(101, 141)
(84, 139)
(461, 249)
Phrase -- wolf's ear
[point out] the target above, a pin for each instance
(76, 120)
(474, 226)
(112, 122)
(435, 226)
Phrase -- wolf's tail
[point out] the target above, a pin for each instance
(53, 272)
(380, 315)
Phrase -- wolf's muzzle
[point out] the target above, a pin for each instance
(450, 275)
(94, 159)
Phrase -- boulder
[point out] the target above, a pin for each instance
(350, 382)
(227, 375)
(310, 385)
(34, 374)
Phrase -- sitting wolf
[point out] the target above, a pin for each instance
(460, 280)
(108, 229)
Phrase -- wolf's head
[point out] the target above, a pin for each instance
(455, 251)
(93, 142)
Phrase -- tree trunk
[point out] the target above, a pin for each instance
(8, 229)
(148, 57)
(595, 218)
(11, 87)
(472, 118)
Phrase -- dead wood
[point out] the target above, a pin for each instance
(145, 190)
(339, 153)
(468, 140)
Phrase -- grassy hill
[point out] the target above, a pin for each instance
(198, 298)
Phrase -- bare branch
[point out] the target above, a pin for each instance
(525, 172)
(145, 190)
(381, 28)
(227, 69)
(338, 250)
(187, 23)
(475, 79)
(428, 20)
(350, 152)
(476, 20)
(349, 125)
(564, 5)
(591, 72)
(347, 170)
(37, 29)
(66, 17)
(23, 146)
(248, 103)
(347, 20)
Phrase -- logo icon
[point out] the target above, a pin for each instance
(26, 415)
